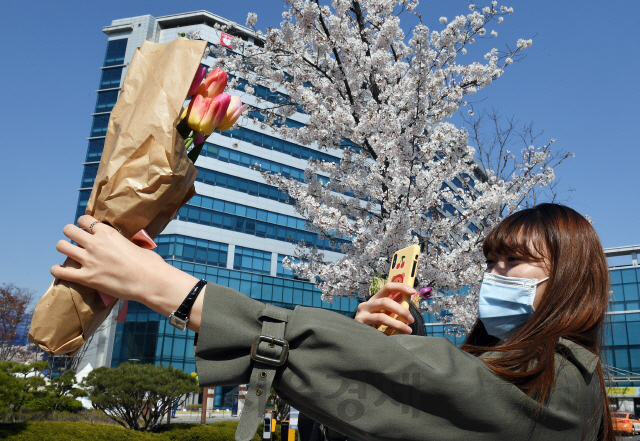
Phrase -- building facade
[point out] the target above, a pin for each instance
(622, 350)
(235, 232)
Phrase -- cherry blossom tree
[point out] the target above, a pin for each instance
(383, 98)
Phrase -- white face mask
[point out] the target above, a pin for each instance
(506, 303)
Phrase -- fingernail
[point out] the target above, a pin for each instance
(412, 291)
(408, 331)
(410, 319)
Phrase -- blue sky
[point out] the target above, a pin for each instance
(577, 84)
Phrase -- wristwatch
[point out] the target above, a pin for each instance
(179, 317)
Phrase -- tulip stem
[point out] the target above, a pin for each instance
(188, 142)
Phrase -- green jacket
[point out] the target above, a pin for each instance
(367, 385)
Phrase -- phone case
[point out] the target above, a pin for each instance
(403, 270)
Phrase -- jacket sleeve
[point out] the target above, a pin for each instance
(369, 386)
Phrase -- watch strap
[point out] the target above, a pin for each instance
(183, 310)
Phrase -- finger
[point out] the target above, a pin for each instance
(383, 319)
(71, 250)
(393, 287)
(76, 234)
(86, 221)
(68, 274)
(392, 307)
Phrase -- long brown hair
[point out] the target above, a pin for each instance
(573, 307)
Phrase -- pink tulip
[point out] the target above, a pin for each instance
(233, 113)
(197, 80)
(204, 114)
(214, 84)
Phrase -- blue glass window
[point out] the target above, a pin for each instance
(115, 52)
(617, 293)
(83, 199)
(226, 155)
(620, 334)
(266, 94)
(248, 225)
(94, 150)
(615, 277)
(188, 249)
(282, 271)
(634, 355)
(89, 175)
(288, 122)
(274, 290)
(106, 101)
(147, 337)
(633, 332)
(99, 125)
(628, 275)
(255, 261)
(621, 355)
(111, 78)
(242, 185)
(630, 291)
(278, 145)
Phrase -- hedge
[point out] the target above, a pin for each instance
(78, 431)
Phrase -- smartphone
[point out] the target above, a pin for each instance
(404, 265)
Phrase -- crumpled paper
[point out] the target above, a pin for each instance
(143, 179)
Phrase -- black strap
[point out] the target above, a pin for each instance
(268, 352)
(183, 311)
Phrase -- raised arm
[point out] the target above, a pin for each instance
(113, 265)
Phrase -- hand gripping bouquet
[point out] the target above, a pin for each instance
(145, 173)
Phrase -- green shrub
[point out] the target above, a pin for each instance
(80, 431)
(85, 415)
(194, 407)
(39, 404)
(139, 395)
(58, 431)
(224, 431)
(66, 404)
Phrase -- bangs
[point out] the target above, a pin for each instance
(522, 234)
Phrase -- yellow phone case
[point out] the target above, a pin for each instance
(404, 265)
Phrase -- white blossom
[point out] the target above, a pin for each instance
(523, 44)
(494, 34)
(252, 18)
(443, 20)
(389, 94)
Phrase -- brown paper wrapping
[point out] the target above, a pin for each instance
(143, 179)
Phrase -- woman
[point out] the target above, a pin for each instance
(535, 375)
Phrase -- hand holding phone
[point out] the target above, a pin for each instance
(404, 265)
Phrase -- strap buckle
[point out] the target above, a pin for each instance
(178, 322)
(272, 342)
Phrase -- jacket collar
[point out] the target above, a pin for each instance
(579, 355)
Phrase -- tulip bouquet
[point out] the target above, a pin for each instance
(146, 172)
(208, 110)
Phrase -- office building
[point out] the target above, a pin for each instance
(622, 345)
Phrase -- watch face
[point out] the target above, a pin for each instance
(177, 322)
